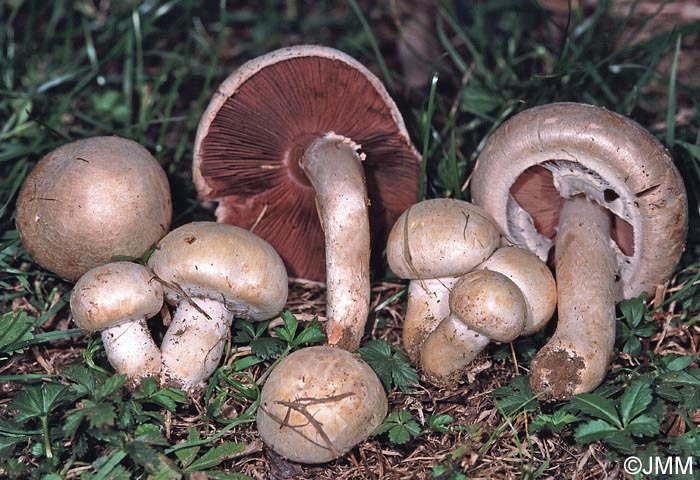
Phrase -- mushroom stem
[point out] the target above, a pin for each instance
(451, 347)
(334, 169)
(427, 305)
(131, 349)
(576, 358)
(193, 344)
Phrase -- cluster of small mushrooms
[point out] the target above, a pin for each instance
(308, 156)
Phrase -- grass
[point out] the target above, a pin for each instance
(145, 70)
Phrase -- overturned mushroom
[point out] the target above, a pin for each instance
(91, 200)
(318, 403)
(433, 243)
(610, 194)
(281, 137)
(213, 272)
(116, 299)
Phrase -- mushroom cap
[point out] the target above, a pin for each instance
(91, 200)
(222, 262)
(115, 293)
(441, 237)
(491, 304)
(340, 392)
(533, 278)
(260, 121)
(566, 149)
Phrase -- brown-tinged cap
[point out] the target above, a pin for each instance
(91, 200)
(115, 293)
(222, 262)
(548, 153)
(441, 237)
(260, 121)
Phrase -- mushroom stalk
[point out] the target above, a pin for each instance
(193, 345)
(576, 358)
(131, 349)
(334, 169)
(451, 347)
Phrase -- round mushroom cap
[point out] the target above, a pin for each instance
(91, 200)
(491, 304)
(533, 278)
(318, 403)
(546, 154)
(222, 262)
(441, 237)
(257, 127)
(115, 293)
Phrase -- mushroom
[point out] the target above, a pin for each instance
(91, 200)
(610, 194)
(318, 403)
(117, 299)
(213, 272)
(433, 243)
(281, 137)
(484, 305)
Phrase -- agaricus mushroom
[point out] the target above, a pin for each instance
(318, 403)
(610, 194)
(117, 299)
(213, 272)
(280, 137)
(484, 306)
(432, 243)
(91, 200)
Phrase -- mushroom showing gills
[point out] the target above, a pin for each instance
(318, 403)
(213, 272)
(606, 194)
(432, 244)
(91, 200)
(280, 140)
(117, 299)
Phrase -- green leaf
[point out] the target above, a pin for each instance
(633, 311)
(400, 426)
(439, 423)
(15, 327)
(594, 430)
(634, 400)
(597, 407)
(313, 333)
(621, 441)
(516, 397)
(266, 347)
(216, 455)
(289, 331)
(38, 400)
(100, 414)
(643, 426)
(555, 422)
(187, 455)
(676, 363)
(392, 369)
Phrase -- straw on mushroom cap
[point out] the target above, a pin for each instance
(212, 272)
(263, 121)
(578, 172)
(91, 200)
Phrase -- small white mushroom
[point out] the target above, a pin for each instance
(318, 403)
(117, 299)
(213, 272)
(484, 306)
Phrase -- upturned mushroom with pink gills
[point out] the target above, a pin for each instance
(116, 299)
(91, 200)
(433, 243)
(606, 194)
(280, 140)
(212, 272)
(318, 403)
